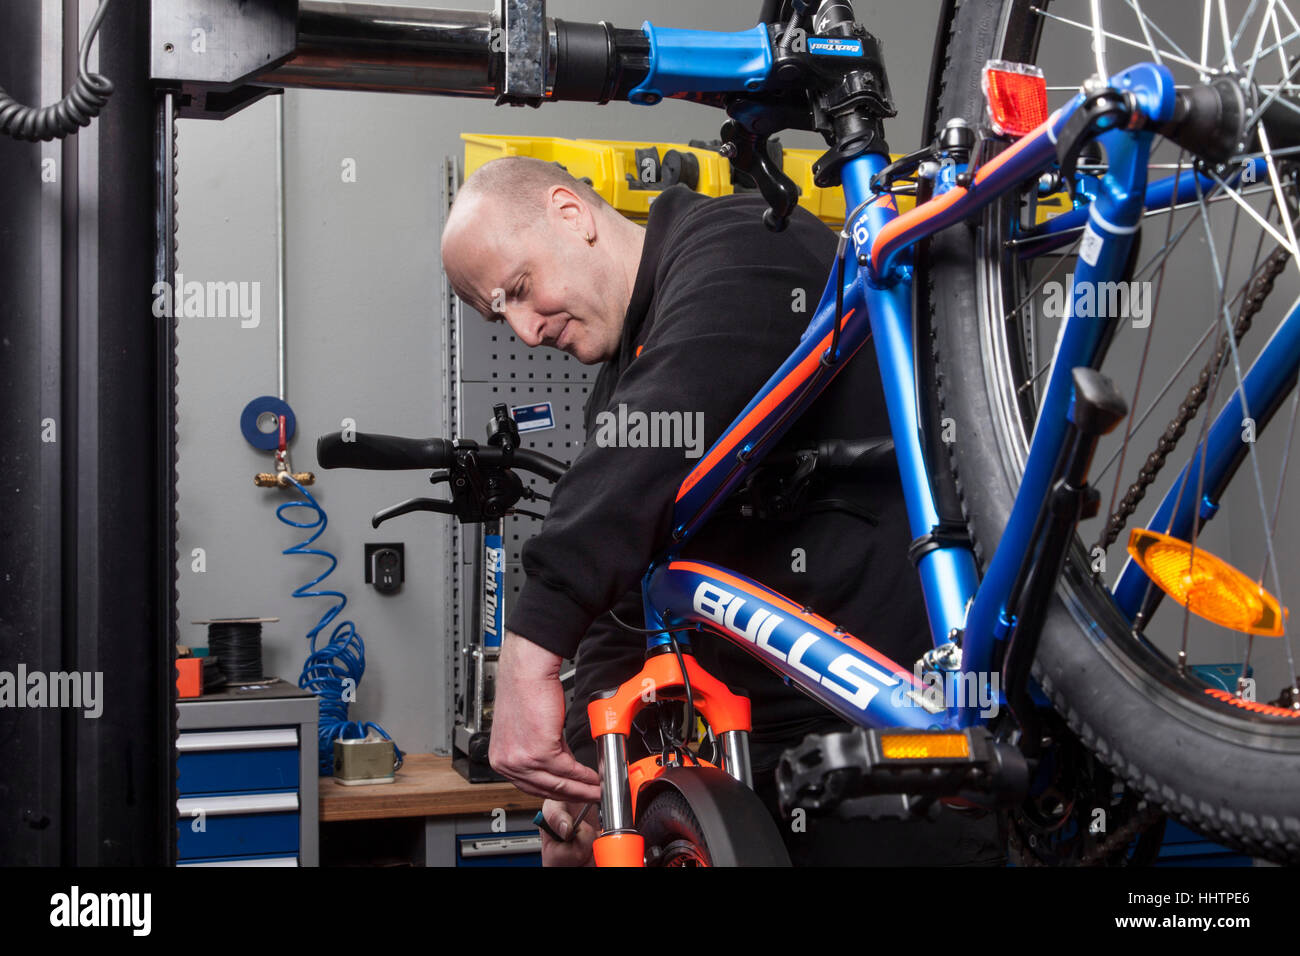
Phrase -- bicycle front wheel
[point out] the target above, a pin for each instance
(700, 816)
(1198, 720)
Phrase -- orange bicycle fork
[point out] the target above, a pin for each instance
(611, 715)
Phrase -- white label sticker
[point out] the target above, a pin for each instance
(1090, 247)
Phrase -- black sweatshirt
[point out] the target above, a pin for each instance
(718, 304)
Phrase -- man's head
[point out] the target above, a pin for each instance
(528, 244)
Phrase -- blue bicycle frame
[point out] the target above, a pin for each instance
(841, 670)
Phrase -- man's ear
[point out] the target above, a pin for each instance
(571, 210)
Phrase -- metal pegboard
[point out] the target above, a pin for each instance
(490, 353)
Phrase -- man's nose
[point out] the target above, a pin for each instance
(526, 324)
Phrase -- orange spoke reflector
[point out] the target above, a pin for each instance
(921, 746)
(1252, 706)
(1017, 96)
(1206, 585)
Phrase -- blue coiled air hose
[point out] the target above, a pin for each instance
(329, 669)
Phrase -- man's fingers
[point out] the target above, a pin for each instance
(567, 765)
(559, 777)
(543, 783)
(557, 818)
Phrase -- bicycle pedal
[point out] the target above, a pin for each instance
(826, 770)
(888, 806)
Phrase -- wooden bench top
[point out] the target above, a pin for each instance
(426, 786)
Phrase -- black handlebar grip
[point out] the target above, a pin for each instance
(382, 452)
(856, 454)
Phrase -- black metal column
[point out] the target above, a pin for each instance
(86, 472)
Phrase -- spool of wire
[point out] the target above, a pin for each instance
(237, 646)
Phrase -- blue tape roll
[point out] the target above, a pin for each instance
(266, 441)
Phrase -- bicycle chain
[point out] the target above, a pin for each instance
(1121, 838)
(1195, 398)
(1099, 854)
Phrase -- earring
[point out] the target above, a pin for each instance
(591, 240)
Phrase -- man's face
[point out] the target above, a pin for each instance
(544, 280)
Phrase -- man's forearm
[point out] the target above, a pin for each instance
(528, 657)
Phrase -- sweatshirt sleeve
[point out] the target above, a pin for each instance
(726, 313)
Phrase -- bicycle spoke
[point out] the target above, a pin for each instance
(1259, 41)
(1281, 480)
(1253, 118)
(1146, 345)
(1244, 20)
(1146, 34)
(1069, 251)
(1205, 36)
(1216, 197)
(1241, 390)
(1277, 511)
(1099, 40)
(1281, 240)
(1165, 390)
(1113, 36)
(1156, 260)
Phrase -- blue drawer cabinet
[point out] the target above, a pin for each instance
(247, 785)
(231, 761)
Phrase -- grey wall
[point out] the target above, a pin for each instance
(364, 316)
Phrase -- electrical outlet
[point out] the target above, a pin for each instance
(385, 566)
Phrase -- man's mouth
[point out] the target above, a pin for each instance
(560, 339)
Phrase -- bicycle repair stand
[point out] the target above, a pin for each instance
(479, 659)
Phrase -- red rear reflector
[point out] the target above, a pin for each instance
(1017, 96)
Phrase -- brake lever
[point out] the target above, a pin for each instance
(748, 153)
(410, 505)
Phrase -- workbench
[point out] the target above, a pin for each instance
(428, 816)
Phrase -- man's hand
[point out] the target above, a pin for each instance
(576, 850)
(528, 726)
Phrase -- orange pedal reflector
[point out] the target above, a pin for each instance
(1016, 94)
(1205, 585)
(923, 746)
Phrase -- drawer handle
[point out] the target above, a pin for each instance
(190, 807)
(237, 739)
(501, 846)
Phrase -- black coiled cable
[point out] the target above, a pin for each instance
(237, 646)
(89, 93)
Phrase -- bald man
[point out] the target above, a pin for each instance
(689, 315)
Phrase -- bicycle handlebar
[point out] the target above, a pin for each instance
(392, 453)
(383, 452)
